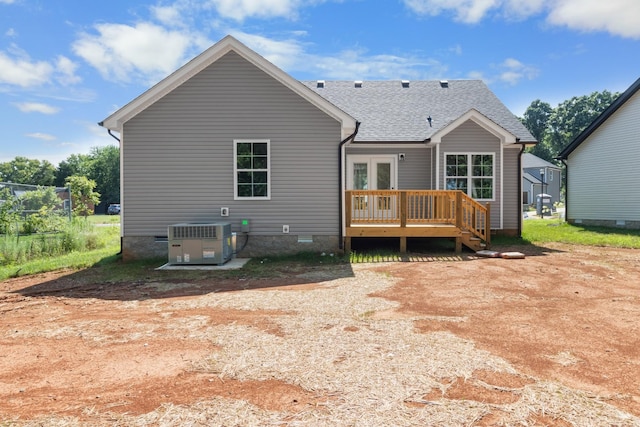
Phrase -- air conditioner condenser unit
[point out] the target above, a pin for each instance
(196, 243)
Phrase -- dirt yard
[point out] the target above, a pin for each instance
(553, 340)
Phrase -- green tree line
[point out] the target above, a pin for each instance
(555, 128)
(101, 165)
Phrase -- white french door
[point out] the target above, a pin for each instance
(372, 173)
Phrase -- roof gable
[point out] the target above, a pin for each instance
(116, 120)
(603, 117)
(484, 122)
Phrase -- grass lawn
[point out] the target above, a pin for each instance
(535, 232)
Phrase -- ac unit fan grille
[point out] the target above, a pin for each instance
(195, 232)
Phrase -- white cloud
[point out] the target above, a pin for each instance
(23, 72)
(242, 9)
(66, 71)
(36, 107)
(618, 17)
(7, 1)
(125, 53)
(469, 11)
(11, 32)
(168, 15)
(511, 71)
(42, 136)
(284, 53)
(292, 56)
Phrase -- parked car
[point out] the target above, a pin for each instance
(113, 209)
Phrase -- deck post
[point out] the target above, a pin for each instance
(487, 224)
(347, 245)
(403, 220)
(459, 210)
(458, 244)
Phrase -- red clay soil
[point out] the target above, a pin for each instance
(570, 315)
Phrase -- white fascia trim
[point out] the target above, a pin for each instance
(480, 119)
(208, 57)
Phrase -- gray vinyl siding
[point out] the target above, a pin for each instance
(472, 138)
(603, 178)
(413, 172)
(178, 156)
(511, 197)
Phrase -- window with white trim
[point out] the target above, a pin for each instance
(471, 173)
(251, 169)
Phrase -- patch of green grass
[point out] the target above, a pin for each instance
(544, 231)
(104, 219)
(88, 247)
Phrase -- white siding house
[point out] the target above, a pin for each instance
(603, 177)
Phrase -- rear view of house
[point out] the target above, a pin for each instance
(603, 178)
(295, 166)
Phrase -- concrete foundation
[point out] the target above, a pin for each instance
(141, 247)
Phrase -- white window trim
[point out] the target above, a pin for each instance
(470, 177)
(235, 168)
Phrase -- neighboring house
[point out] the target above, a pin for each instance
(539, 176)
(603, 178)
(229, 137)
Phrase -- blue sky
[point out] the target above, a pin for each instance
(65, 65)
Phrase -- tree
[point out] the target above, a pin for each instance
(105, 171)
(573, 116)
(555, 128)
(536, 118)
(22, 170)
(75, 164)
(83, 196)
(41, 197)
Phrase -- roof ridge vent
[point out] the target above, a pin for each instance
(357, 83)
(444, 83)
(405, 83)
(320, 83)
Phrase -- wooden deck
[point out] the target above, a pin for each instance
(417, 213)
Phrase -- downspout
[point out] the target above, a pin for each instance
(522, 148)
(117, 139)
(566, 189)
(113, 136)
(340, 186)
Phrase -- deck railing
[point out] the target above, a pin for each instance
(417, 207)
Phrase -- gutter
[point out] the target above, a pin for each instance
(340, 185)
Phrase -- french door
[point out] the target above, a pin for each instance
(372, 173)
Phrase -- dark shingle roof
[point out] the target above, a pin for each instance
(390, 112)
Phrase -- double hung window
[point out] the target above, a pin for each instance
(472, 174)
(252, 169)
